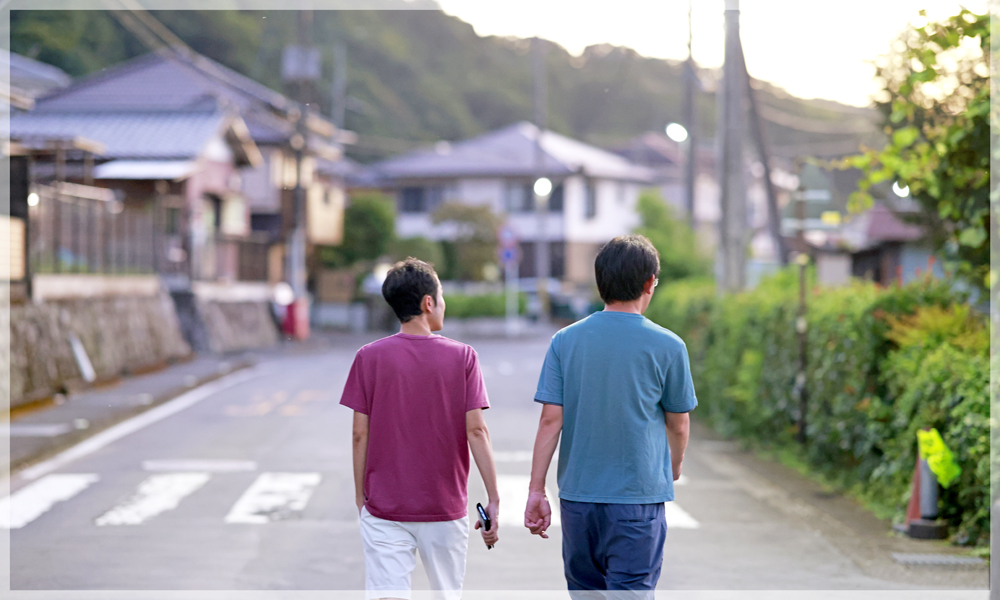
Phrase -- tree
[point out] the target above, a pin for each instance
(476, 236)
(426, 250)
(369, 227)
(674, 240)
(936, 107)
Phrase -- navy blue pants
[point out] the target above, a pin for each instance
(612, 546)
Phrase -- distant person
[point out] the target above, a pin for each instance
(418, 401)
(618, 388)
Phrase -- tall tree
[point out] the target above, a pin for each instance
(936, 105)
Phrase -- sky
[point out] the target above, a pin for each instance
(811, 48)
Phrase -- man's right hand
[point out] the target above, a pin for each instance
(538, 514)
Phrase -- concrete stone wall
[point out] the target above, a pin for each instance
(234, 326)
(120, 334)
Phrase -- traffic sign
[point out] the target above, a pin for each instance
(509, 255)
(508, 238)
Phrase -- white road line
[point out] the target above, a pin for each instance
(678, 518)
(115, 433)
(156, 495)
(32, 501)
(208, 466)
(513, 490)
(274, 497)
(512, 456)
(37, 430)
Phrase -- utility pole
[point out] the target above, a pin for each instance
(541, 201)
(757, 131)
(690, 85)
(300, 66)
(339, 84)
(733, 225)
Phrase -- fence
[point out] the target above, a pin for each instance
(231, 258)
(82, 229)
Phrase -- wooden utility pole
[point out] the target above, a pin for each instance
(733, 225)
(339, 84)
(691, 84)
(757, 132)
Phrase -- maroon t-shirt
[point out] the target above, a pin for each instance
(416, 390)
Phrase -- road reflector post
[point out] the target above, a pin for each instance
(935, 467)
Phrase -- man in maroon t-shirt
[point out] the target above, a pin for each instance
(418, 401)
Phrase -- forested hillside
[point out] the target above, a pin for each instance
(418, 75)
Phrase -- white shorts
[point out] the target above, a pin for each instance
(391, 555)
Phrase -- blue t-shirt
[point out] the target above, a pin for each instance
(615, 374)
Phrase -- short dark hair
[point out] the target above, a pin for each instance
(622, 267)
(405, 286)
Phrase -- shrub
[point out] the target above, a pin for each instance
(461, 306)
(882, 364)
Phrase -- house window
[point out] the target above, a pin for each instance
(434, 197)
(171, 221)
(520, 197)
(590, 202)
(412, 200)
(556, 199)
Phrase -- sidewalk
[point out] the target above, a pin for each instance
(43, 432)
(848, 527)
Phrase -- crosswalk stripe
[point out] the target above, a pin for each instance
(206, 465)
(32, 501)
(678, 518)
(155, 495)
(513, 490)
(274, 497)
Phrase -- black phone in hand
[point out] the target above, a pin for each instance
(484, 520)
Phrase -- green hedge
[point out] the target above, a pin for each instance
(882, 363)
(480, 305)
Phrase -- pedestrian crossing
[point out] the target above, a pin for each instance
(272, 496)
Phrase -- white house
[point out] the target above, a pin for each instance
(593, 199)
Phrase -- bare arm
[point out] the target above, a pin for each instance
(360, 447)
(678, 431)
(538, 513)
(482, 452)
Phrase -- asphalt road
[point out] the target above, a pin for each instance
(249, 488)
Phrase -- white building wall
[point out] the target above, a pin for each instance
(616, 210)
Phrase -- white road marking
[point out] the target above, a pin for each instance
(274, 497)
(156, 495)
(208, 466)
(513, 456)
(513, 490)
(115, 433)
(32, 501)
(682, 480)
(37, 429)
(678, 518)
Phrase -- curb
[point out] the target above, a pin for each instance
(62, 442)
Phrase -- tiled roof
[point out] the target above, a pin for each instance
(32, 77)
(160, 135)
(156, 82)
(507, 152)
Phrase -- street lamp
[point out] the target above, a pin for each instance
(543, 187)
(900, 189)
(677, 132)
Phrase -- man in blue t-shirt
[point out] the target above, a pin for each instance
(618, 388)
